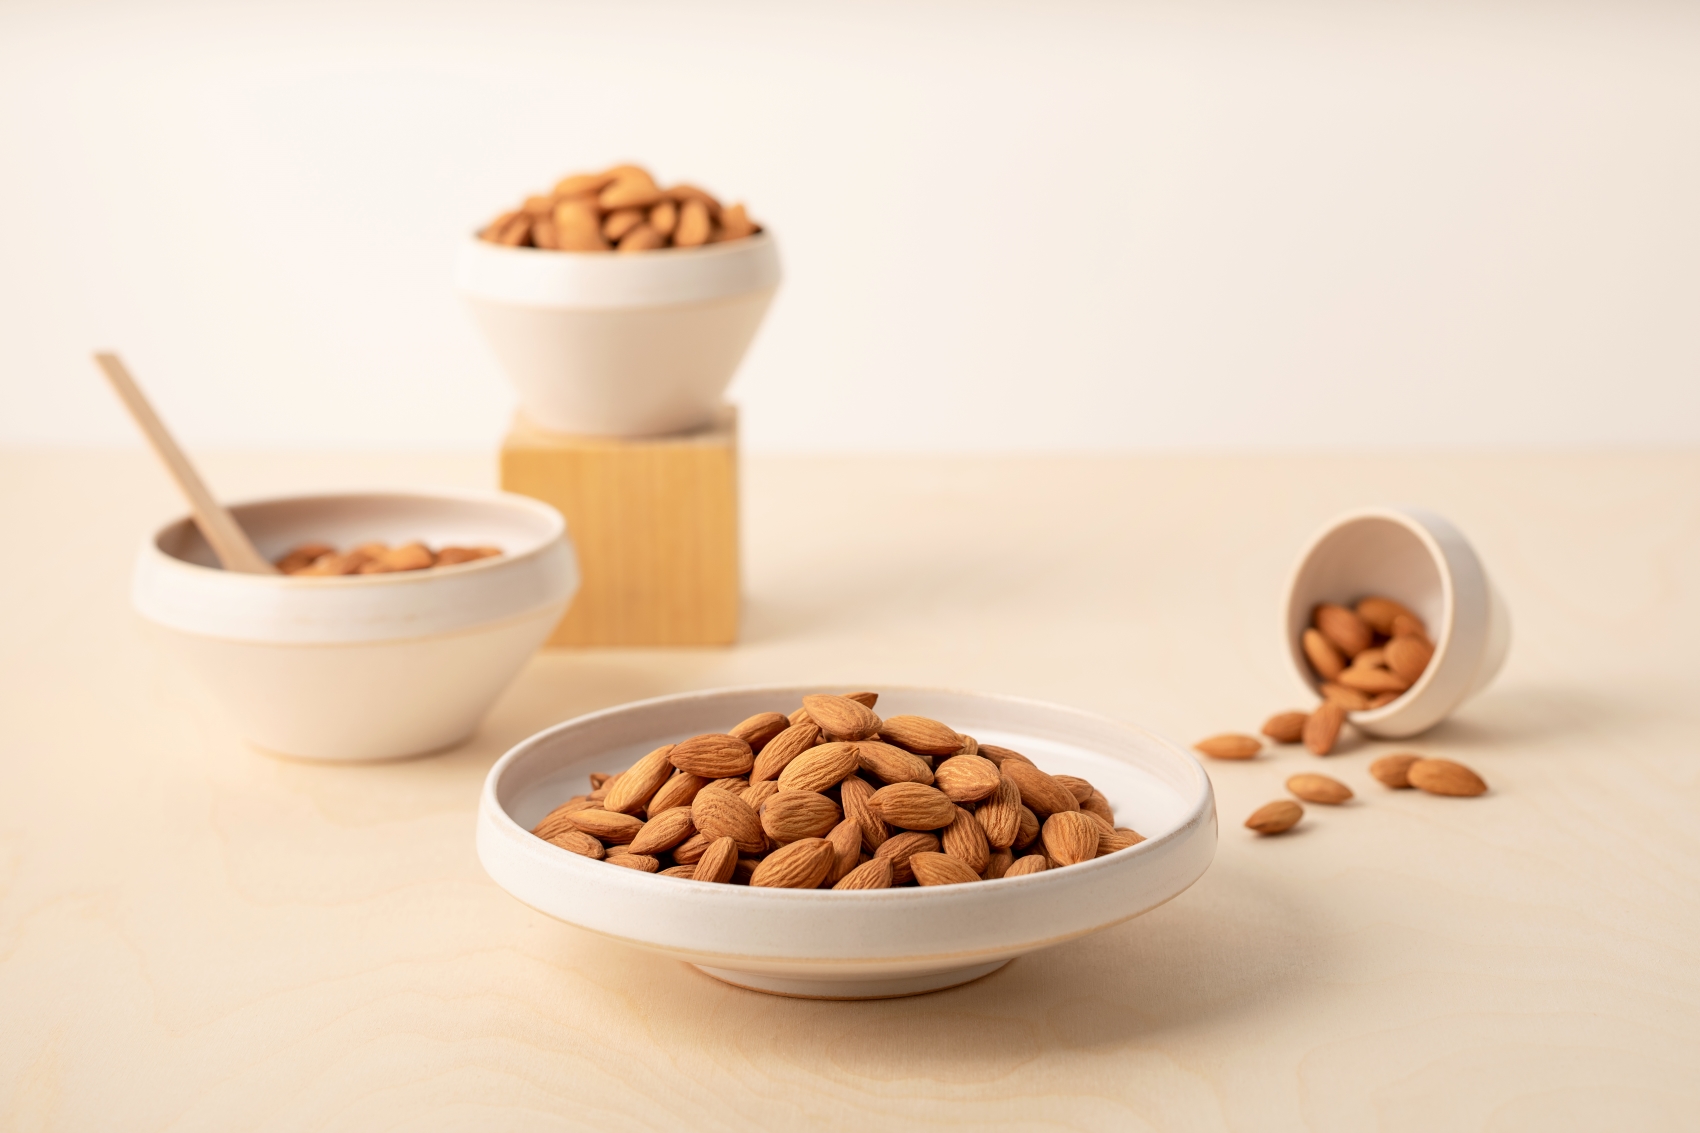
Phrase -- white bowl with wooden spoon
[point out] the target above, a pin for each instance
(833, 944)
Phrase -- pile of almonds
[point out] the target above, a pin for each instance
(1367, 656)
(376, 558)
(833, 797)
(620, 208)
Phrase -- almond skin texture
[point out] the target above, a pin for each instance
(607, 825)
(1070, 837)
(841, 718)
(692, 849)
(998, 754)
(1276, 817)
(897, 850)
(1409, 625)
(865, 699)
(578, 842)
(687, 872)
(1443, 777)
(1409, 656)
(1118, 839)
(798, 865)
(1000, 815)
(874, 874)
(965, 841)
(1319, 789)
(643, 863)
(1394, 770)
(1348, 698)
(819, 768)
(854, 793)
(664, 831)
(680, 790)
(560, 819)
(721, 814)
(793, 815)
(1373, 680)
(783, 748)
(913, 806)
(1286, 727)
(1078, 787)
(999, 861)
(1230, 745)
(968, 778)
(1028, 833)
(940, 869)
(1040, 793)
(759, 729)
(846, 839)
(758, 793)
(1032, 863)
(1322, 730)
(640, 781)
(1322, 655)
(920, 734)
(1378, 614)
(714, 756)
(1344, 629)
(718, 861)
(1096, 804)
(892, 764)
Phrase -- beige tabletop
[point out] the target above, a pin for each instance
(195, 936)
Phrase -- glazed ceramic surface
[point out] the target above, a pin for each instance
(851, 945)
(1421, 560)
(362, 667)
(612, 344)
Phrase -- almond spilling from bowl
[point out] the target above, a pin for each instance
(1367, 656)
(323, 560)
(831, 796)
(620, 209)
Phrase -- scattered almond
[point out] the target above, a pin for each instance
(1276, 817)
(1230, 746)
(1314, 788)
(1286, 727)
(1322, 729)
(1394, 770)
(1444, 777)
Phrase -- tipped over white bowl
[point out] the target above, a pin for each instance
(870, 944)
(371, 666)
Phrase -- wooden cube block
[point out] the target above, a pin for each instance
(655, 523)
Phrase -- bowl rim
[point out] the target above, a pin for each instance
(1198, 805)
(650, 255)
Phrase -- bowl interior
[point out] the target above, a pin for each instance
(349, 519)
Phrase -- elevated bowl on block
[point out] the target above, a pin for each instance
(826, 944)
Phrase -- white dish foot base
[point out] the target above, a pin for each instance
(891, 988)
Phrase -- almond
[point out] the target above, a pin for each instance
(1230, 745)
(1032, 863)
(846, 839)
(664, 831)
(1286, 727)
(1276, 817)
(758, 793)
(1409, 656)
(801, 716)
(897, 850)
(684, 193)
(793, 815)
(841, 718)
(640, 862)
(913, 806)
(876, 873)
(578, 227)
(640, 781)
(865, 699)
(1378, 614)
(559, 819)
(1375, 657)
(581, 183)
(714, 756)
(736, 786)
(735, 224)
(855, 795)
(664, 216)
(680, 790)
(1322, 655)
(1322, 730)
(1394, 770)
(643, 238)
(996, 864)
(940, 869)
(599, 779)
(965, 840)
(1078, 787)
(1028, 833)
(721, 814)
(1000, 815)
(998, 754)
(1319, 789)
(688, 872)
(628, 192)
(757, 730)
(717, 861)
(797, 865)
(744, 870)
(1110, 841)
(616, 224)
(1098, 820)
(1099, 806)
(1443, 777)
(1348, 698)
(1344, 629)
(1373, 680)
(920, 734)
(693, 848)
(819, 768)
(578, 842)
(892, 764)
(607, 825)
(1409, 625)
(1040, 793)
(1381, 699)
(968, 778)
(694, 227)
(783, 748)
(1070, 837)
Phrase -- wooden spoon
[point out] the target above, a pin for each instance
(229, 542)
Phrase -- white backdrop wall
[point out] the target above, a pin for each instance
(1059, 225)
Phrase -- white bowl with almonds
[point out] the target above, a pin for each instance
(617, 306)
(803, 842)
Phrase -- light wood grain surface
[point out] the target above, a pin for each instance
(194, 936)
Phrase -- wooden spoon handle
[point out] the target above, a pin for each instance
(229, 542)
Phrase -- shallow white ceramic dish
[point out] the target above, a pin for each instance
(611, 344)
(851, 945)
(1417, 558)
(377, 666)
